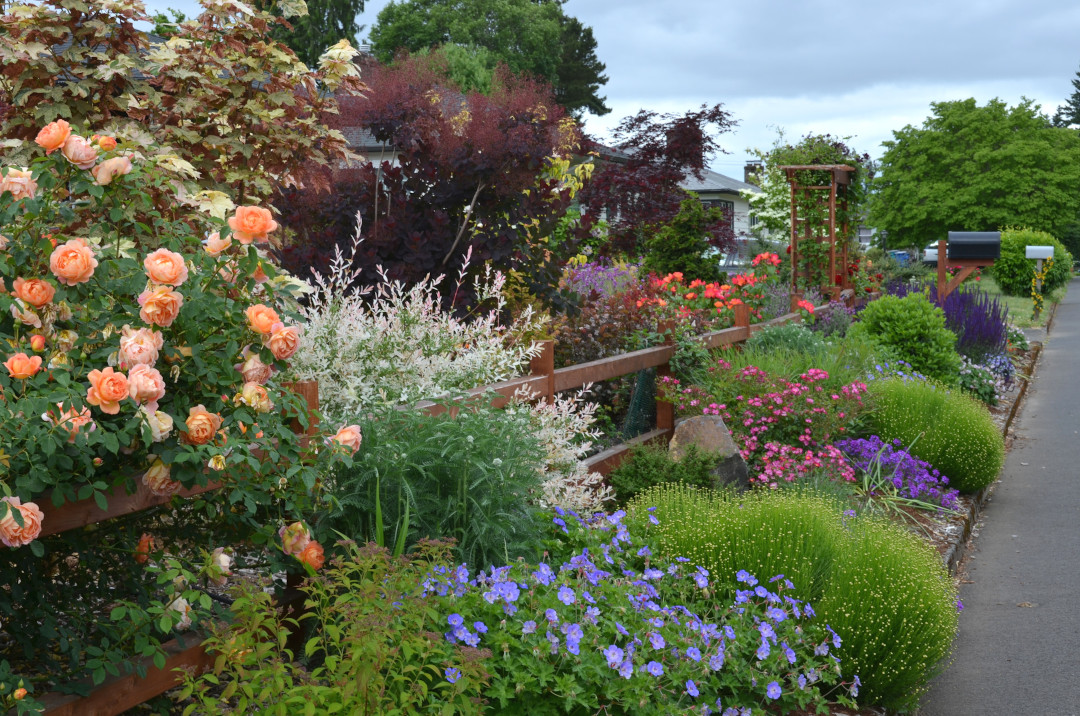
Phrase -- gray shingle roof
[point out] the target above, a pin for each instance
(715, 182)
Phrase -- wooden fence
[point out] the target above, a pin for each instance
(121, 693)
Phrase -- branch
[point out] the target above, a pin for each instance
(464, 222)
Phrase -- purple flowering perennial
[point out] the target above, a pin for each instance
(914, 478)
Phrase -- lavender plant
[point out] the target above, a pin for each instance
(833, 320)
(889, 475)
(978, 320)
(599, 278)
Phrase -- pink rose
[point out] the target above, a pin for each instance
(109, 169)
(146, 386)
(21, 184)
(139, 346)
(158, 480)
(73, 262)
(11, 534)
(79, 152)
(71, 420)
(215, 245)
(166, 267)
(294, 538)
(253, 369)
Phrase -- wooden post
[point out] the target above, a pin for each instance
(942, 269)
(796, 296)
(742, 317)
(832, 240)
(665, 411)
(309, 391)
(544, 365)
(794, 237)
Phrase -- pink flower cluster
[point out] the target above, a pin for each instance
(788, 463)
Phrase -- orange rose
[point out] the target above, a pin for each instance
(161, 306)
(22, 366)
(109, 169)
(262, 318)
(53, 135)
(294, 538)
(253, 369)
(36, 292)
(260, 276)
(167, 267)
(107, 389)
(79, 152)
(312, 555)
(283, 342)
(73, 262)
(106, 143)
(37, 342)
(11, 534)
(349, 436)
(139, 346)
(146, 545)
(255, 397)
(146, 386)
(21, 184)
(159, 482)
(201, 425)
(215, 245)
(71, 420)
(251, 223)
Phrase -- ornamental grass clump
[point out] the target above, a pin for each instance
(888, 590)
(952, 431)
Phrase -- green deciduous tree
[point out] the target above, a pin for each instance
(972, 168)
(529, 36)
(326, 22)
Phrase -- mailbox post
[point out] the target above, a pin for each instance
(1039, 254)
(967, 251)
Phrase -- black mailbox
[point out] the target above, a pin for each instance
(974, 245)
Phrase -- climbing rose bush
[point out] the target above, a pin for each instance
(136, 354)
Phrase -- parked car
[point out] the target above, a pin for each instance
(929, 256)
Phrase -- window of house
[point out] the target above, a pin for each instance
(727, 206)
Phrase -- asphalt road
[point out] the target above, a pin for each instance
(1018, 651)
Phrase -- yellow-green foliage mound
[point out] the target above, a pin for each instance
(883, 590)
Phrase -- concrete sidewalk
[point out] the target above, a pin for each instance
(1018, 651)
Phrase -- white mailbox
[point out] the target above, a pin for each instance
(1039, 252)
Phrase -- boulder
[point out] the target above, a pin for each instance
(710, 435)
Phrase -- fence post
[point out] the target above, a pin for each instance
(742, 317)
(544, 365)
(665, 411)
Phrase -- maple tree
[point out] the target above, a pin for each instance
(486, 174)
(637, 187)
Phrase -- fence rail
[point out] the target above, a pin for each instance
(544, 381)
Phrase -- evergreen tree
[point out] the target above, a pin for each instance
(1068, 115)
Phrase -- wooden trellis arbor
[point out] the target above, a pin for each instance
(814, 225)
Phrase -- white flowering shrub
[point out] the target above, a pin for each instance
(394, 344)
(565, 430)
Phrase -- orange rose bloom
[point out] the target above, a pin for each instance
(79, 152)
(215, 245)
(145, 546)
(106, 143)
(161, 306)
(251, 223)
(312, 555)
(109, 169)
(21, 184)
(262, 318)
(35, 292)
(283, 342)
(37, 342)
(71, 420)
(53, 135)
(22, 366)
(201, 425)
(11, 534)
(349, 436)
(167, 267)
(107, 389)
(73, 262)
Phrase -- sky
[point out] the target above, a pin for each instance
(858, 69)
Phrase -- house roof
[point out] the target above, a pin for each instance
(717, 183)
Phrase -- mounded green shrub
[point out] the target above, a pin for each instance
(794, 337)
(650, 465)
(915, 329)
(1013, 271)
(884, 591)
(952, 431)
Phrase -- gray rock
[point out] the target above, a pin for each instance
(709, 434)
